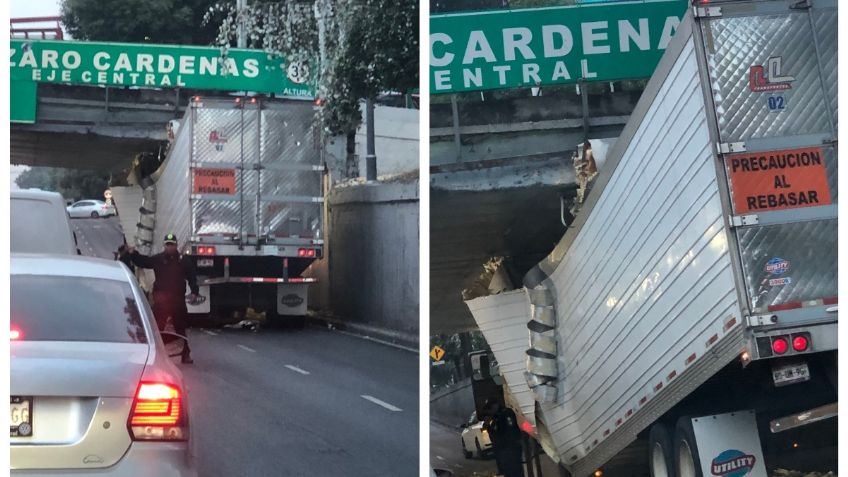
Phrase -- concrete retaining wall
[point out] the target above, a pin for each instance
(370, 272)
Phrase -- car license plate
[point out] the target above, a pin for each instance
(790, 373)
(21, 419)
(206, 262)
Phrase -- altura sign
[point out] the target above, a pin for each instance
(155, 66)
(507, 49)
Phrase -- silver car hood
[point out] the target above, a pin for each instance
(60, 368)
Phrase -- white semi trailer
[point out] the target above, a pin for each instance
(693, 302)
(242, 188)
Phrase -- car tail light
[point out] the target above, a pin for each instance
(800, 342)
(157, 413)
(306, 252)
(206, 250)
(779, 345)
(15, 334)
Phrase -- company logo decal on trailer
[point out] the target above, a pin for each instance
(759, 82)
(291, 300)
(776, 282)
(218, 140)
(732, 463)
(776, 180)
(777, 266)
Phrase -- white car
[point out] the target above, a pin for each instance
(90, 208)
(475, 440)
(93, 387)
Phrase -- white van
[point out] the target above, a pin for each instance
(39, 223)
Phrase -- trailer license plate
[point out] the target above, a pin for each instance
(206, 262)
(791, 373)
(21, 419)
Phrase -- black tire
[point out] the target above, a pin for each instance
(95, 215)
(479, 450)
(465, 452)
(661, 451)
(687, 463)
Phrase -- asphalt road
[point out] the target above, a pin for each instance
(310, 402)
(98, 237)
(285, 402)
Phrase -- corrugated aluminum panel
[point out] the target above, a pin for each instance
(802, 253)
(173, 184)
(648, 279)
(825, 24)
(289, 147)
(744, 114)
(503, 320)
(128, 201)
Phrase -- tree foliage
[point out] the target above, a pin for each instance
(71, 183)
(361, 47)
(137, 21)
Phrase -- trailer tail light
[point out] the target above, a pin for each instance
(306, 252)
(801, 342)
(779, 345)
(157, 413)
(208, 250)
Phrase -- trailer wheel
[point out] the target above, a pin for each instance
(661, 451)
(687, 462)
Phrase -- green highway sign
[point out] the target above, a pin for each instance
(543, 46)
(157, 66)
(22, 101)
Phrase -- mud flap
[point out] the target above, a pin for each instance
(729, 445)
(291, 299)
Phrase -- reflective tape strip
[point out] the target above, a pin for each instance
(803, 304)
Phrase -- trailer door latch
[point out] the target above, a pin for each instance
(743, 220)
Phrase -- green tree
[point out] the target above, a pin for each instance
(137, 21)
(71, 183)
(362, 47)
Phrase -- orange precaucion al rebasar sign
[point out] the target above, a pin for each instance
(214, 181)
(776, 180)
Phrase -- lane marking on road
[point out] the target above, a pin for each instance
(246, 348)
(297, 370)
(380, 403)
(211, 333)
(440, 457)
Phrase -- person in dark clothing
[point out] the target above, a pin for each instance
(172, 272)
(123, 255)
(505, 435)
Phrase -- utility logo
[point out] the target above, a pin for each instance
(291, 300)
(732, 463)
(218, 140)
(777, 266)
(759, 82)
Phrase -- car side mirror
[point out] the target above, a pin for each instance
(174, 344)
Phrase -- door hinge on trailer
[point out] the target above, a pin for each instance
(761, 320)
(730, 147)
(744, 220)
(706, 12)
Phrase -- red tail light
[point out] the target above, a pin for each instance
(15, 334)
(779, 345)
(206, 250)
(157, 413)
(306, 252)
(800, 343)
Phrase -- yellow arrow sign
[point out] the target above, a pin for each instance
(437, 353)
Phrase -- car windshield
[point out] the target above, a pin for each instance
(51, 308)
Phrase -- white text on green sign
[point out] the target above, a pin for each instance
(156, 66)
(507, 49)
